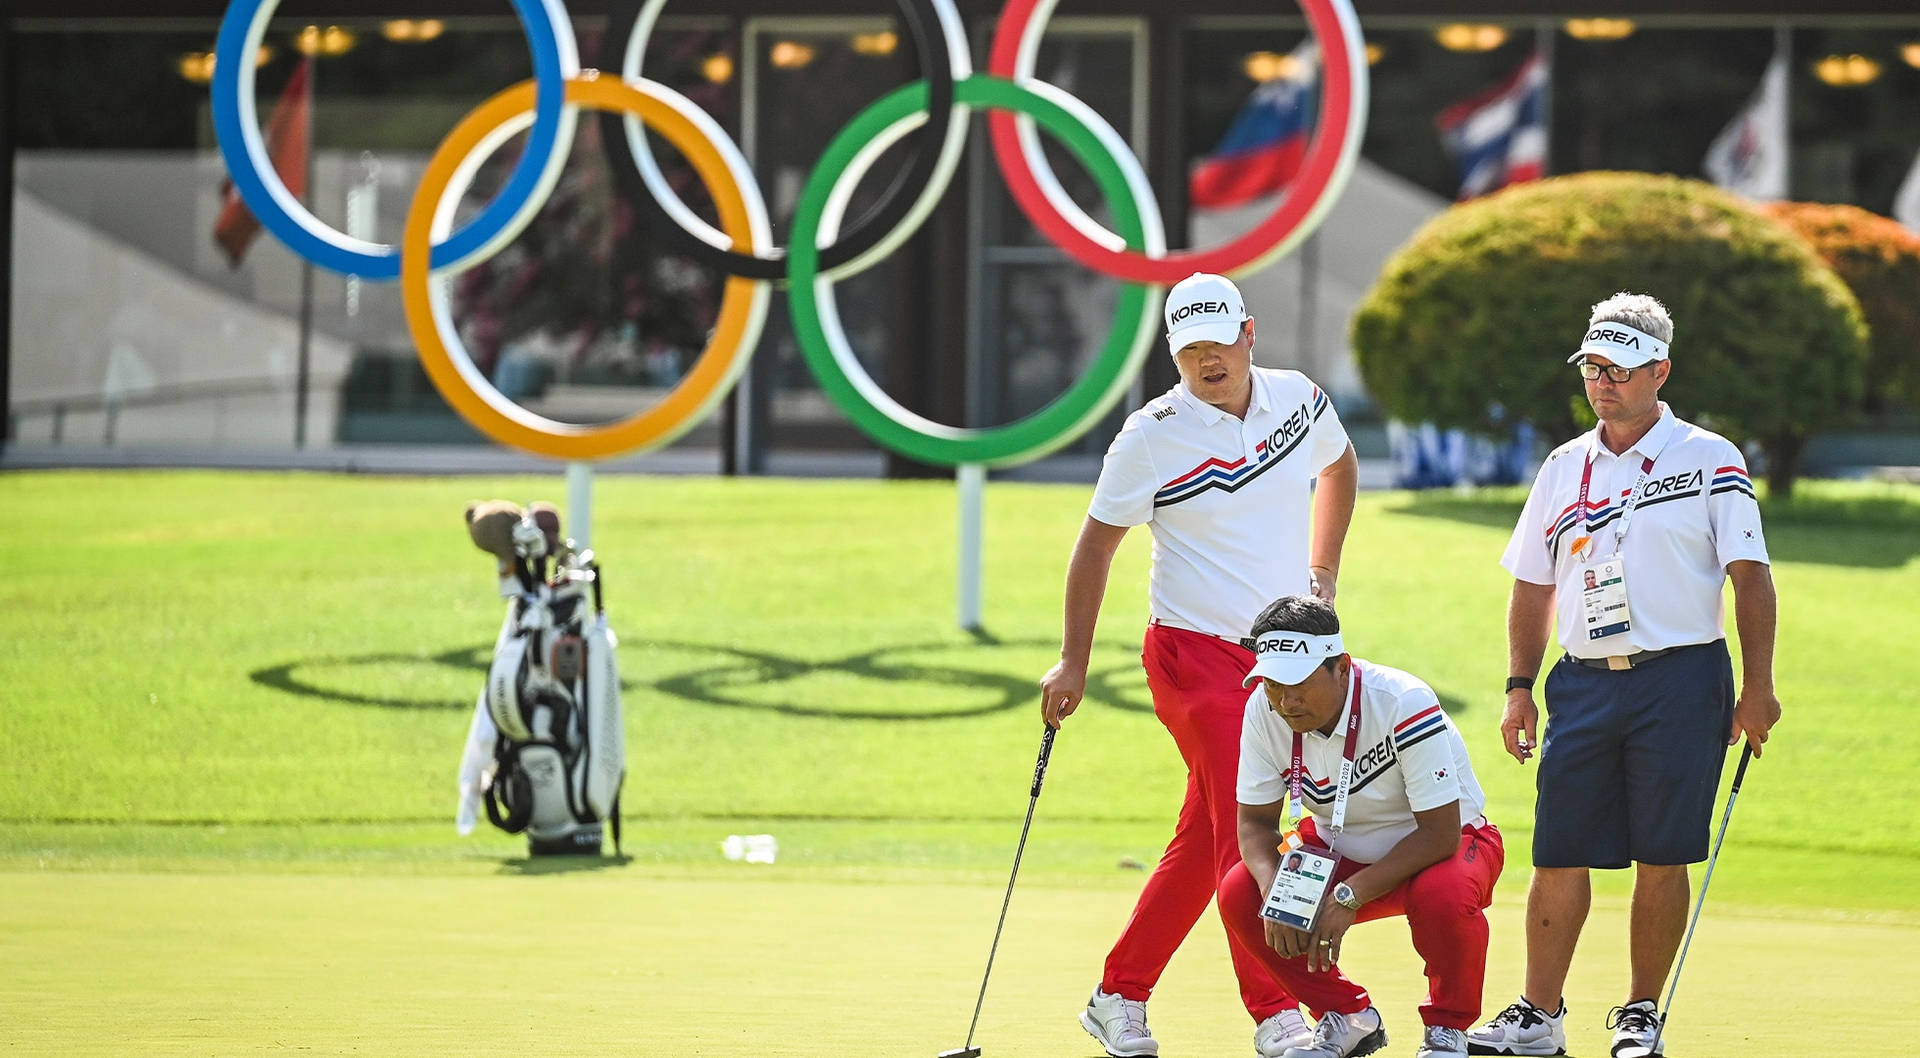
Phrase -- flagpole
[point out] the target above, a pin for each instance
(1543, 45)
(1310, 261)
(1783, 53)
(1309, 298)
(305, 347)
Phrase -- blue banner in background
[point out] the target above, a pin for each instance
(1427, 457)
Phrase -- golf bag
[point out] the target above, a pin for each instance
(546, 751)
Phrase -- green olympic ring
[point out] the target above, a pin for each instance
(823, 341)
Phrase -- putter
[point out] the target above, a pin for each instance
(1725, 818)
(1039, 773)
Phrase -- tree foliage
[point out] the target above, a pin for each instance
(1880, 261)
(1470, 323)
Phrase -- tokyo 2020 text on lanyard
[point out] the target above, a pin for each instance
(1296, 803)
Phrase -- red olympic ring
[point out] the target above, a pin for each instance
(1328, 158)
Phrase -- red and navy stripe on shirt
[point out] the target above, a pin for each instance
(1231, 476)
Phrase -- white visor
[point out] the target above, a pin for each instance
(1620, 344)
(1289, 657)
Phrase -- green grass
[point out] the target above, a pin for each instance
(235, 703)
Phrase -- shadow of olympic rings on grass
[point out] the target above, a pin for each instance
(731, 683)
(466, 659)
(718, 685)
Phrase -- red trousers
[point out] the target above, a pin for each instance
(1444, 906)
(1195, 680)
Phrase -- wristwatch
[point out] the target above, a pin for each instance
(1344, 895)
(1519, 683)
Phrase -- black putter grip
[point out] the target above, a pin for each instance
(1740, 775)
(1040, 767)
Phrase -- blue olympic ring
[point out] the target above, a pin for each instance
(236, 125)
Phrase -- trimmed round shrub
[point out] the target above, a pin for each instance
(1470, 324)
(1879, 259)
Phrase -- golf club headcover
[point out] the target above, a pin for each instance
(490, 525)
(547, 517)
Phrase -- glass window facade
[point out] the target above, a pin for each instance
(148, 309)
(144, 312)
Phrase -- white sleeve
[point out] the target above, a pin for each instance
(1733, 513)
(1124, 494)
(1262, 782)
(1423, 744)
(1328, 436)
(1526, 555)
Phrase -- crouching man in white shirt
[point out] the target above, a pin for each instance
(1392, 826)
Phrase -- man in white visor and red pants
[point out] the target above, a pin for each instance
(1356, 767)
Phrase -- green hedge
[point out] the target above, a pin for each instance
(1470, 323)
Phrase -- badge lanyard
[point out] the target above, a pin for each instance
(1296, 803)
(1626, 508)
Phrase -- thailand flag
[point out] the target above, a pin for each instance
(1500, 137)
(1261, 152)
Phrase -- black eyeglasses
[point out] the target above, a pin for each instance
(1592, 371)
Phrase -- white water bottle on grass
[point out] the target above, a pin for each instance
(753, 848)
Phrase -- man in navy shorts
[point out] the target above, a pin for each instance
(1627, 538)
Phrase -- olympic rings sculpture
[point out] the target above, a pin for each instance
(741, 247)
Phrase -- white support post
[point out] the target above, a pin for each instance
(580, 503)
(972, 480)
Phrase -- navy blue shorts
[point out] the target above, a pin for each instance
(1631, 760)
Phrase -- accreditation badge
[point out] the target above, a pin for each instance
(1300, 886)
(1603, 598)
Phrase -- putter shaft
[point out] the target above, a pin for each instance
(1726, 817)
(1039, 775)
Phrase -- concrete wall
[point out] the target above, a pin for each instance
(1375, 215)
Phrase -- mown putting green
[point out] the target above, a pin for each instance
(236, 702)
(632, 960)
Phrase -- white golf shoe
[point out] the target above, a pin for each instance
(1442, 1042)
(1521, 1029)
(1120, 1025)
(1634, 1028)
(1343, 1036)
(1288, 1028)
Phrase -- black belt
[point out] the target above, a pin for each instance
(1621, 662)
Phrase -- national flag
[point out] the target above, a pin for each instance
(1500, 136)
(287, 146)
(1749, 157)
(1261, 152)
(1906, 201)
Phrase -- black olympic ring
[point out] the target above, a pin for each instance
(708, 686)
(866, 233)
(712, 685)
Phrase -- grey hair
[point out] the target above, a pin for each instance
(1306, 614)
(1642, 312)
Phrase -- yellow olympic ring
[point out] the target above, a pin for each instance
(736, 329)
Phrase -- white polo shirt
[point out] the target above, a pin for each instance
(1696, 515)
(1228, 499)
(1410, 758)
